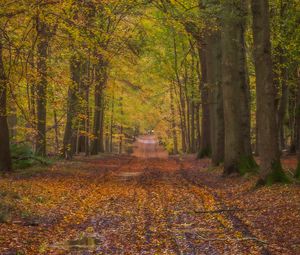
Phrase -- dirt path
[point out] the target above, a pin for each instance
(157, 212)
(127, 205)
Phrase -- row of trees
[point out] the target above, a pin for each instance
(225, 71)
(46, 47)
(224, 49)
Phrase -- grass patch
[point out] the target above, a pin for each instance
(297, 173)
(204, 153)
(23, 157)
(277, 175)
(30, 172)
(247, 165)
(5, 214)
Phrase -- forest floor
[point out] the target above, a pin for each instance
(125, 205)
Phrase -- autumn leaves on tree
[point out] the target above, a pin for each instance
(217, 78)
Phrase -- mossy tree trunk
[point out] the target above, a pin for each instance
(270, 165)
(238, 155)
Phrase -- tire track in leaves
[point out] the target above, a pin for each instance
(180, 201)
(236, 232)
(158, 239)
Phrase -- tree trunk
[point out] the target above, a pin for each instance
(238, 153)
(186, 103)
(205, 143)
(101, 132)
(69, 142)
(198, 127)
(101, 78)
(87, 121)
(216, 110)
(192, 139)
(121, 128)
(83, 106)
(57, 149)
(283, 100)
(174, 133)
(41, 86)
(270, 165)
(297, 174)
(181, 104)
(112, 122)
(5, 157)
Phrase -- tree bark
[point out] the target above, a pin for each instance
(41, 86)
(238, 155)
(112, 122)
(181, 104)
(5, 156)
(69, 141)
(216, 110)
(174, 133)
(101, 78)
(87, 120)
(283, 100)
(270, 165)
(297, 174)
(56, 131)
(205, 143)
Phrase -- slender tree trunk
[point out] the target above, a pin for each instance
(238, 154)
(270, 165)
(5, 156)
(83, 105)
(121, 128)
(41, 86)
(101, 131)
(57, 149)
(182, 128)
(87, 121)
(198, 127)
(174, 133)
(205, 143)
(31, 94)
(121, 140)
(112, 122)
(89, 81)
(12, 121)
(188, 122)
(186, 103)
(193, 99)
(193, 143)
(181, 105)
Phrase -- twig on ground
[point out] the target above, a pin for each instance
(228, 210)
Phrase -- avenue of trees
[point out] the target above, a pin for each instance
(220, 78)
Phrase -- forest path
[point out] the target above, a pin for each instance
(112, 204)
(154, 208)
